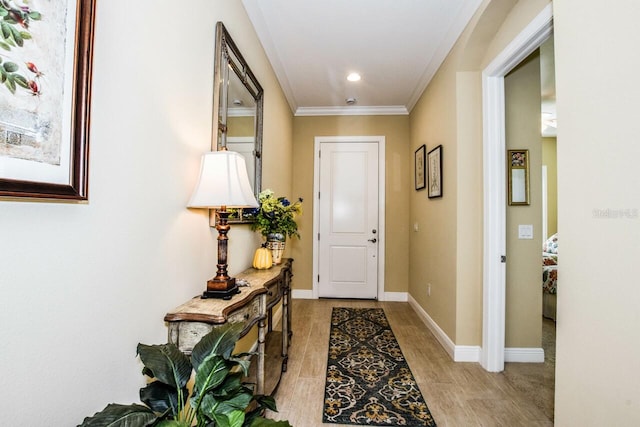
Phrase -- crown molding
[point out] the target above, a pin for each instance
(466, 12)
(390, 110)
(254, 11)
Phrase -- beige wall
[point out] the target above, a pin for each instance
(432, 255)
(241, 126)
(82, 284)
(550, 160)
(523, 321)
(399, 175)
(449, 255)
(598, 335)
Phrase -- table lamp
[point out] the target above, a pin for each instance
(223, 183)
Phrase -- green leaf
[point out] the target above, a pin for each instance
(3, 12)
(172, 423)
(162, 397)
(267, 402)
(236, 403)
(10, 67)
(263, 422)
(165, 363)
(9, 83)
(17, 37)
(25, 35)
(116, 415)
(5, 46)
(233, 419)
(5, 30)
(244, 364)
(262, 403)
(232, 385)
(21, 81)
(212, 372)
(220, 341)
(36, 16)
(3, 75)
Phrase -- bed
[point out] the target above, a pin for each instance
(550, 276)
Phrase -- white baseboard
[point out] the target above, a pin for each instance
(388, 296)
(302, 294)
(459, 353)
(396, 296)
(471, 353)
(524, 355)
(467, 353)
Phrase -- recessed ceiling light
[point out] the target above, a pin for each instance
(353, 77)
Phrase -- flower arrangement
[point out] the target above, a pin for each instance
(276, 215)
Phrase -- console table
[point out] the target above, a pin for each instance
(189, 322)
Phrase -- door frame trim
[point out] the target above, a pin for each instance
(494, 240)
(380, 141)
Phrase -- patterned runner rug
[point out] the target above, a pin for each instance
(368, 379)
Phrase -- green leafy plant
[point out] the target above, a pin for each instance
(218, 396)
(276, 215)
(14, 31)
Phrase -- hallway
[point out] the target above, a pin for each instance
(458, 394)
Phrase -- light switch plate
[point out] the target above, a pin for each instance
(525, 231)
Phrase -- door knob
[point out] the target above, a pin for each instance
(373, 240)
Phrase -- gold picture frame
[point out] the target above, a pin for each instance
(518, 177)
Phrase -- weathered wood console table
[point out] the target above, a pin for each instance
(189, 322)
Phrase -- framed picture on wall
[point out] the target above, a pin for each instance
(518, 177)
(434, 172)
(419, 165)
(45, 91)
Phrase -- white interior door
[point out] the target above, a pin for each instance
(245, 146)
(348, 237)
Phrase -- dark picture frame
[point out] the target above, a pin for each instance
(28, 176)
(419, 168)
(434, 172)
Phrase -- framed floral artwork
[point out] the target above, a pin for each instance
(434, 172)
(45, 90)
(419, 166)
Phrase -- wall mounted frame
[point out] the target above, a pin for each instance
(434, 175)
(419, 168)
(518, 177)
(45, 98)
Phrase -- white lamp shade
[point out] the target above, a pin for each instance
(223, 181)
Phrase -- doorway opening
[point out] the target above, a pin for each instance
(494, 230)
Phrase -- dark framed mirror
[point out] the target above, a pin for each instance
(237, 110)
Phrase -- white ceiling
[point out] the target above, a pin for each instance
(396, 45)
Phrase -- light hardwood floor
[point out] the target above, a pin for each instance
(458, 394)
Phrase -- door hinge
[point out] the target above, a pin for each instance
(318, 195)
(318, 278)
(503, 258)
(318, 236)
